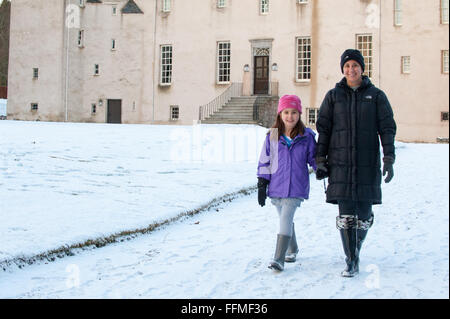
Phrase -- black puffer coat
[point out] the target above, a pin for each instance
(350, 125)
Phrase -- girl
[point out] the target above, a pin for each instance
(282, 168)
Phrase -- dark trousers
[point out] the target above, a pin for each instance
(361, 209)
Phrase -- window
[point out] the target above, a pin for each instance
(397, 12)
(444, 54)
(312, 114)
(81, 38)
(96, 69)
(174, 112)
(364, 44)
(166, 7)
(302, 1)
(93, 108)
(113, 44)
(35, 73)
(81, 3)
(223, 62)
(34, 106)
(264, 6)
(166, 65)
(444, 116)
(444, 11)
(303, 54)
(114, 10)
(221, 3)
(406, 64)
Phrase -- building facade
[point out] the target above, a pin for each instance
(158, 61)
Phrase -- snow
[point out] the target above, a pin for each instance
(65, 183)
(3, 103)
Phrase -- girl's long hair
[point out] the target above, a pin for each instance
(298, 129)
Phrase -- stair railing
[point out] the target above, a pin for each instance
(234, 90)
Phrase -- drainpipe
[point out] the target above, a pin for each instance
(154, 63)
(379, 49)
(67, 2)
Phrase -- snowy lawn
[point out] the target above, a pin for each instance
(65, 183)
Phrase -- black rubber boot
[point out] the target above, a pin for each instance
(291, 254)
(280, 252)
(347, 226)
(363, 228)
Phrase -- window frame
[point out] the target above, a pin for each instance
(35, 73)
(223, 62)
(96, 69)
(444, 61)
(368, 58)
(298, 74)
(263, 7)
(444, 11)
(165, 60)
(166, 6)
(398, 13)
(315, 113)
(81, 38)
(174, 109)
(406, 64)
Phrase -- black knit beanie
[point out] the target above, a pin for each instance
(352, 54)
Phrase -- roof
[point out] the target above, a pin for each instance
(131, 7)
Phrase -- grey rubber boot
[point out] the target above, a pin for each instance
(347, 226)
(291, 254)
(280, 252)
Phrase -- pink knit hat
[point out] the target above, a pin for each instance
(289, 101)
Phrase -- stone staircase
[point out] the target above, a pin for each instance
(238, 110)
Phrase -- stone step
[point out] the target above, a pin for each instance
(209, 121)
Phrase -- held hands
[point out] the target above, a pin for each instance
(322, 168)
(388, 168)
(262, 190)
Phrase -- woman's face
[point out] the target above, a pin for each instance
(290, 117)
(353, 73)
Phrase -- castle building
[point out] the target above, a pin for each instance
(166, 61)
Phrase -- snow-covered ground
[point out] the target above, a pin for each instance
(64, 183)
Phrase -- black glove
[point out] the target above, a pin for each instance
(262, 190)
(388, 168)
(322, 168)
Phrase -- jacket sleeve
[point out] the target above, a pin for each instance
(264, 160)
(324, 125)
(312, 148)
(386, 125)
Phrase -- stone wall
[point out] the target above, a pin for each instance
(267, 110)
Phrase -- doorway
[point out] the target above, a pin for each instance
(261, 75)
(114, 113)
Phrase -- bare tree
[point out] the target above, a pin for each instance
(5, 12)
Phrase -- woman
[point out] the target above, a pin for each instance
(352, 119)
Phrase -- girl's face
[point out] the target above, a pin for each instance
(290, 118)
(353, 73)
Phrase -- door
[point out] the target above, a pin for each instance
(114, 111)
(261, 76)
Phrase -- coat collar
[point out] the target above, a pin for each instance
(366, 83)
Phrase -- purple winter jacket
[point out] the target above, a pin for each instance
(286, 168)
